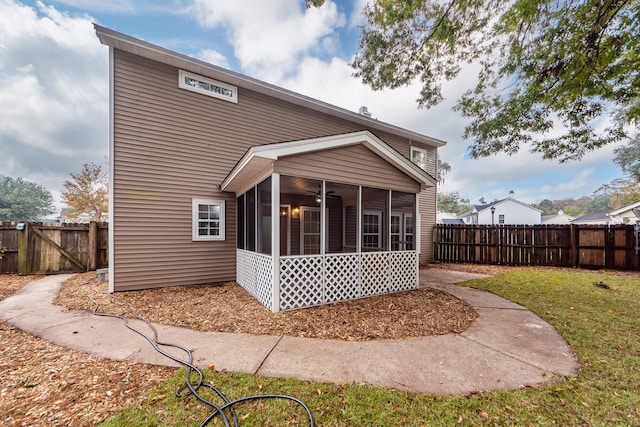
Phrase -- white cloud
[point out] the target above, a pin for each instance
(121, 6)
(357, 19)
(269, 38)
(213, 57)
(53, 93)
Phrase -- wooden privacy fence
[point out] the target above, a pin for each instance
(586, 246)
(53, 248)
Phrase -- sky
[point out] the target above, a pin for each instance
(54, 86)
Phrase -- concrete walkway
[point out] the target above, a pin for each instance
(507, 347)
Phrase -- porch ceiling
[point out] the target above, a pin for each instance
(258, 161)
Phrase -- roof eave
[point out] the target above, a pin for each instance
(272, 152)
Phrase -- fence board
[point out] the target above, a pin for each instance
(587, 246)
(53, 248)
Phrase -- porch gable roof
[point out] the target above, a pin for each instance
(257, 163)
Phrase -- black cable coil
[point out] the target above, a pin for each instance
(189, 388)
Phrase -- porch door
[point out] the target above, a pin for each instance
(310, 230)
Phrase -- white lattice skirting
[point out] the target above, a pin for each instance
(313, 280)
(254, 272)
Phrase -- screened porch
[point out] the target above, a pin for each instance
(332, 242)
(345, 230)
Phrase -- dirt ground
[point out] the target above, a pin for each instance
(44, 384)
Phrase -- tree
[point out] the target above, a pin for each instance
(628, 158)
(22, 200)
(87, 194)
(619, 193)
(549, 69)
(443, 169)
(452, 203)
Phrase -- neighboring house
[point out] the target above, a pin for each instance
(593, 218)
(502, 212)
(452, 221)
(626, 214)
(216, 176)
(441, 217)
(559, 218)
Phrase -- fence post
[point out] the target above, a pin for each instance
(574, 258)
(92, 247)
(23, 246)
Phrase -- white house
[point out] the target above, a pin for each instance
(503, 212)
(626, 215)
(559, 218)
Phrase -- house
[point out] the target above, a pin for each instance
(445, 217)
(502, 212)
(593, 218)
(626, 215)
(559, 218)
(216, 176)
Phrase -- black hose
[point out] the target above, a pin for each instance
(189, 387)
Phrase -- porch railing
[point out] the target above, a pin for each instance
(309, 280)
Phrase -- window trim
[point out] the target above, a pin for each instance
(419, 150)
(231, 94)
(195, 220)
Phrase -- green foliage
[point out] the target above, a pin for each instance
(452, 203)
(628, 158)
(599, 202)
(314, 3)
(22, 200)
(601, 325)
(549, 70)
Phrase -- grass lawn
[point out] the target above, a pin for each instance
(601, 325)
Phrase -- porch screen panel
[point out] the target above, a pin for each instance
(263, 235)
(304, 197)
(375, 219)
(342, 218)
(403, 208)
(240, 224)
(250, 207)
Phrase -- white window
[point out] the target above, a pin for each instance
(371, 230)
(419, 157)
(206, 86)
(501, 219)
(208, 219)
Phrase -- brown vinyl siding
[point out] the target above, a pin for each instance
(172, 145)
(354, 164)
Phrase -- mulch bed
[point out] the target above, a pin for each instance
(229, 308)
